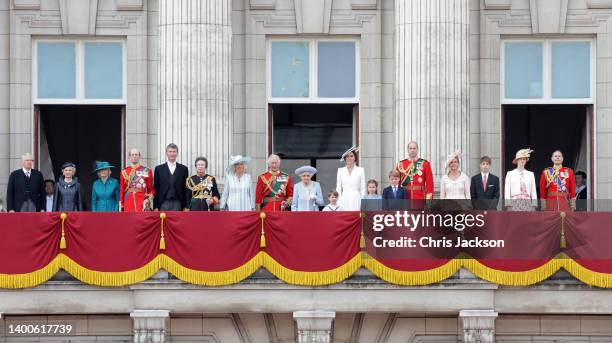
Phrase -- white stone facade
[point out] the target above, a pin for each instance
(229, 115)
(218, 106)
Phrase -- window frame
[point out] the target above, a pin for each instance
(80, 73)
(313, 86)
(547, 72)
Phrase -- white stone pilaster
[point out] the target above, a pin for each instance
(149, 325)
(478, 325)
(432, 79)
(195, 80)
(314, 326)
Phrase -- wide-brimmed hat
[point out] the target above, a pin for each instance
(306, 169)
(354, 148)
(451, 157)
(523, 153)
(234, 160)
(101, 165)
(68, 165)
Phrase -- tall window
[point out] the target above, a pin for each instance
(548, 71)
(313, 71)
(76, 71)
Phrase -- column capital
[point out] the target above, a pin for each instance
(149, 325)
(314, 326)
(478, 325)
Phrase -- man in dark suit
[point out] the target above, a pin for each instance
(169, 181)
(26, 188)
(394, 196)
(49, 193)
(484, 188)
(581, 191)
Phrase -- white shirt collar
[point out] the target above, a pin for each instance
(171, 164)
(484, 174)
(26, 171)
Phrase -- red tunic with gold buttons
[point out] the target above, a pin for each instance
(272, 189)
(135, 185)
(416, 177)
(558, 188)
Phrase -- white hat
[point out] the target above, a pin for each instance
(354, 148)
(451, 157)
(234, 160)
(306, 169)
(523, 153)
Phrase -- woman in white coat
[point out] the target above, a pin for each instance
(350, 182)
(520, 187)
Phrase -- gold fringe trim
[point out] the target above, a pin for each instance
(585, 275)
(393, 276)
(98, 278)
(415, 278)
(202, 278)
(31, 279)
(321, 278)
(506, 278)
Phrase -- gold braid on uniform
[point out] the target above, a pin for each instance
(550, 178)
(197, 191)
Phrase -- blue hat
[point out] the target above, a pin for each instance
(306, 169)
(101, 165)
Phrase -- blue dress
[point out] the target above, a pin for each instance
(105, 195)
(307, 198)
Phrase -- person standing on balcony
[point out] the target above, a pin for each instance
(558, 185)
(416, 177)
(237, 191)
(202, 192)
(105, 190)
(520, 187)
(350, 181)
(136, 186)
(26, 188)
(169, 183)
(67, 196)
(484, 188)
(307, 195)
(274, 190)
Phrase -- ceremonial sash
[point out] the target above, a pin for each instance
(412, 169)
(554, 176)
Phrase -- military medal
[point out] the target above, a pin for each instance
(420, 180)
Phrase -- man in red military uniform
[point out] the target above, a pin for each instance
(274, 190)
(558, 186)
(416, 177)
(136, 186)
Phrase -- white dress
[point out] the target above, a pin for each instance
(351, 188)
(237, 193)
(455, 189)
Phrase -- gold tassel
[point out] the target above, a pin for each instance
(63, 217)
(162, 241)
(362, 242)
(262, 240)
(563, 242)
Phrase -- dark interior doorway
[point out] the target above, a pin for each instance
(81, 134)
(315, 135)
(546, 128)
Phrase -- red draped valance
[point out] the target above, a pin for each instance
(303, 248)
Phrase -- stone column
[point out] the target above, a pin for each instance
(314, 326)
(5, 123)
(195, 80)
(478, 326)
(2, 333)
(431, 79)
(149, 325)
